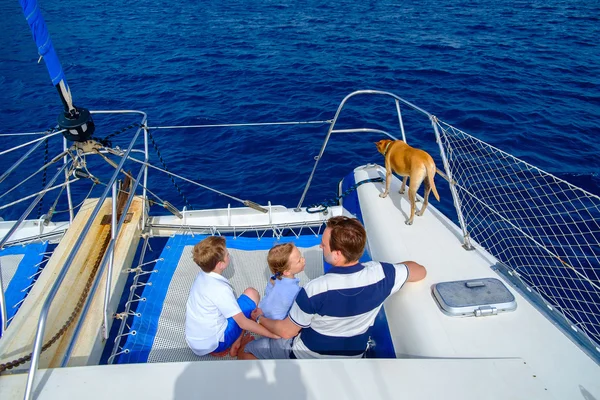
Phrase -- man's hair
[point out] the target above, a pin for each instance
(347, 236)
(278, 258)
(208, 252)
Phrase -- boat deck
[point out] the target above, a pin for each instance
(19, 337)
(419, 328)
(519, 354)
(468, 379)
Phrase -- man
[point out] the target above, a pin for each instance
(332, 314)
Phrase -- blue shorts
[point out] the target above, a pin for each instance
(233, 330)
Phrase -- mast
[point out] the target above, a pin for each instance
(77, 121)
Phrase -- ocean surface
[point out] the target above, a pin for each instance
(523, 76)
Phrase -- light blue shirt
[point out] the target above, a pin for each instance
(279, 297)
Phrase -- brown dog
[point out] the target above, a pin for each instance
(412, 163)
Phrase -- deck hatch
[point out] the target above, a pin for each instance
(474, 297)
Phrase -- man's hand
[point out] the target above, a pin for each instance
(256, 313)
(284, 328)
(251, 325)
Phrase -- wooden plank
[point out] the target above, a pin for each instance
(19, 337)
(88, 348)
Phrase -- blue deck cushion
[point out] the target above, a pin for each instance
(18, 287)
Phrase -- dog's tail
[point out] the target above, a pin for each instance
(431, 170)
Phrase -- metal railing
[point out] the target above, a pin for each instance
(544, 231)
(74, 250)
(106, 259)
(397, 100)
(12, 231)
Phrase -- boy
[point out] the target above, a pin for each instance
(214, 320)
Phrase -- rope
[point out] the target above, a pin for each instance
(74, 314)
(166, 169)
(106, 142)
(335, 201)
(80, 303)
(78, 205)
(160, 201)
(40, 204)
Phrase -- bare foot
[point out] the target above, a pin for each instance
(220, 354)
(236, 345)
(245, 340)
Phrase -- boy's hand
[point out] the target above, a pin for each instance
(256, 313)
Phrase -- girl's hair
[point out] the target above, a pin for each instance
(278, 258)
(208, 252)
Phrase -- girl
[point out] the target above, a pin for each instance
(285, 261)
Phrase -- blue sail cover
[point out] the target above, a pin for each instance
(42, 39)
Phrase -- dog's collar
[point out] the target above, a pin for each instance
(386, 148)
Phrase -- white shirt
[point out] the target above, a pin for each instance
(210, 303)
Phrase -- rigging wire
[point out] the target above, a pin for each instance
(41, 203)
(31, 142)
(38, 193)
(247, 203)
(186, 179)
(55, 159)
(80, 204)
(328, 121)
(26, 133)
(165, 167)
(160, 202)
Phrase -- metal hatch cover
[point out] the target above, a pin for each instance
(473, 297)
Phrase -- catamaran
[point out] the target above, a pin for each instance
(93, 304)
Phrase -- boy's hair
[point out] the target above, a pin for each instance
(208, 252)
(278, 258)
(347, 236)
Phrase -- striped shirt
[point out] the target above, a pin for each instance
(336, 310)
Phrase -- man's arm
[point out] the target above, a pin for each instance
(416, 271)
(285, 328)
(252, 326)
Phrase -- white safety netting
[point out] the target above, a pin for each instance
(544, 229)
(247, 269)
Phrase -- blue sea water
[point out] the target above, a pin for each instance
(523, 76)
